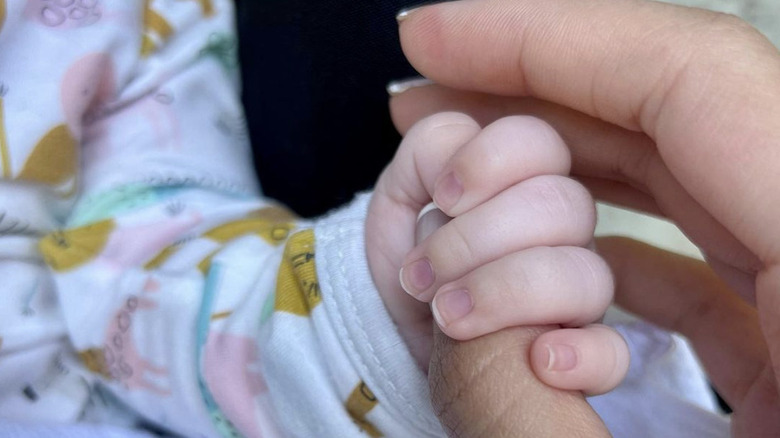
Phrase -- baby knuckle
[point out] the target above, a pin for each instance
(459, 246)
(490, 160)
(594, 277)
(564, 197)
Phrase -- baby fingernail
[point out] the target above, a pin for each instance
(417, 276)
(561, 357)
(451, 306)
(448, 191)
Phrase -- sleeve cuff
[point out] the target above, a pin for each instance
(365, 329)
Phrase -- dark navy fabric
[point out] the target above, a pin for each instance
(314, 76)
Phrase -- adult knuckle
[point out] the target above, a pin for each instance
(726, 36)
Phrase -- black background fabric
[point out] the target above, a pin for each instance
(314, 76)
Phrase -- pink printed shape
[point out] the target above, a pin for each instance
(65, 14)
(155, 118)
(232, 373)
(87, 85)
(134, 245)
(157, 109)
(123, 362)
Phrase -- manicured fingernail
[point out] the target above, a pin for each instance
(451, 306)
(394, 88)
(561, 357)
(404, 13)
(448, 191)
(417, 276)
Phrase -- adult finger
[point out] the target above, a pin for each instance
(645, 66)
(485, 387)
(591, 359)
(684, 295)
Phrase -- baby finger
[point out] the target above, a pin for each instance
(541, 285)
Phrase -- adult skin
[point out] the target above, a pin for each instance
(669, 110)
(483, 388)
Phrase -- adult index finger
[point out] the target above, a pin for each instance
(703, 85)
(485, 388)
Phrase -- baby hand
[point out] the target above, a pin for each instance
(515, 252)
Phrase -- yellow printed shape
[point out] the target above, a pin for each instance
(272, 224)
(297, 287)
(206, 7)
(5, 155)
(54, 160)
(147, 45)
(95, 361)
(205, 264)
(161, 258)
(217, 316)
(360, 403)
(156, 32)
(69, 249)
(2, 14)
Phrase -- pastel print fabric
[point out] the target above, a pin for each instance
(140, 255)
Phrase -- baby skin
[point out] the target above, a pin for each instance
(517, 251)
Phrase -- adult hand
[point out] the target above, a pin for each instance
(483, 388)
(669, 110)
